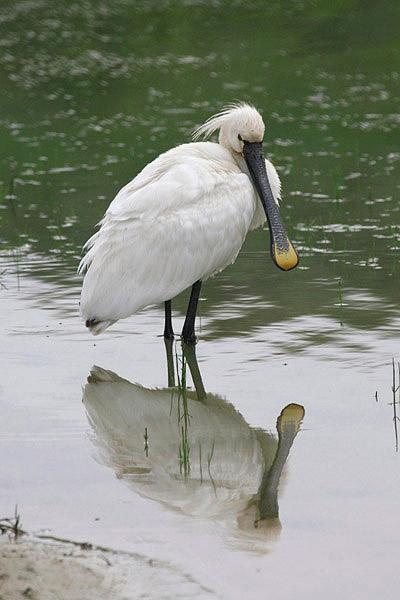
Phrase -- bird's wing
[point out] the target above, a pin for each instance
(182, 221)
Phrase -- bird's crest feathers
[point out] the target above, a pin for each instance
(242, 109)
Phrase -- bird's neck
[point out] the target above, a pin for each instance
(241, 163)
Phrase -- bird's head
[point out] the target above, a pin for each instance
(241, 131)
(237, 123)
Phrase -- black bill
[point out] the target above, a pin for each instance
(282, 251)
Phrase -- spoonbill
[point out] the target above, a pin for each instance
(245, 465)
(182, 219)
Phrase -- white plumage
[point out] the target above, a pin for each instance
(119, 412)
(181, 220)
(231, 469)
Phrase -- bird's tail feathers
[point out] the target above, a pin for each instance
(100, 375)
(95, 327)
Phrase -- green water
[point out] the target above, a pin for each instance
(93, 91)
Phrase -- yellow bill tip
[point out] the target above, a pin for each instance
(285, 259)
(293, 413)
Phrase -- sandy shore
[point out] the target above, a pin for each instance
(54, 570)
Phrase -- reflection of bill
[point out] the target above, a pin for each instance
(287, 425)
(232, 471)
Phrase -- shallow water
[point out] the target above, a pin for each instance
(91, 94)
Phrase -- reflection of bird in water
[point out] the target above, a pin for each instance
(196, 455)
(183, 219)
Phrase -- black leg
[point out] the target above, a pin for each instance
(168, 331)
(188, 327)
(190, 354)
(170, 361)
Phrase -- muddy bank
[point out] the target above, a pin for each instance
(67, 571)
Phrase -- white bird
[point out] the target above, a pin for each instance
(244, 464)
(182, 219)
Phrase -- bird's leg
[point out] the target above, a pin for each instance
(169, 340)
(188, 327)
(190, 354)
(170, 361)
(168, 331)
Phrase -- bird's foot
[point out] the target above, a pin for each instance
(189, 338)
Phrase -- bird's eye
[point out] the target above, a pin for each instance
(240, 137)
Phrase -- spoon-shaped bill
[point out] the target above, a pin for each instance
(282, 251)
